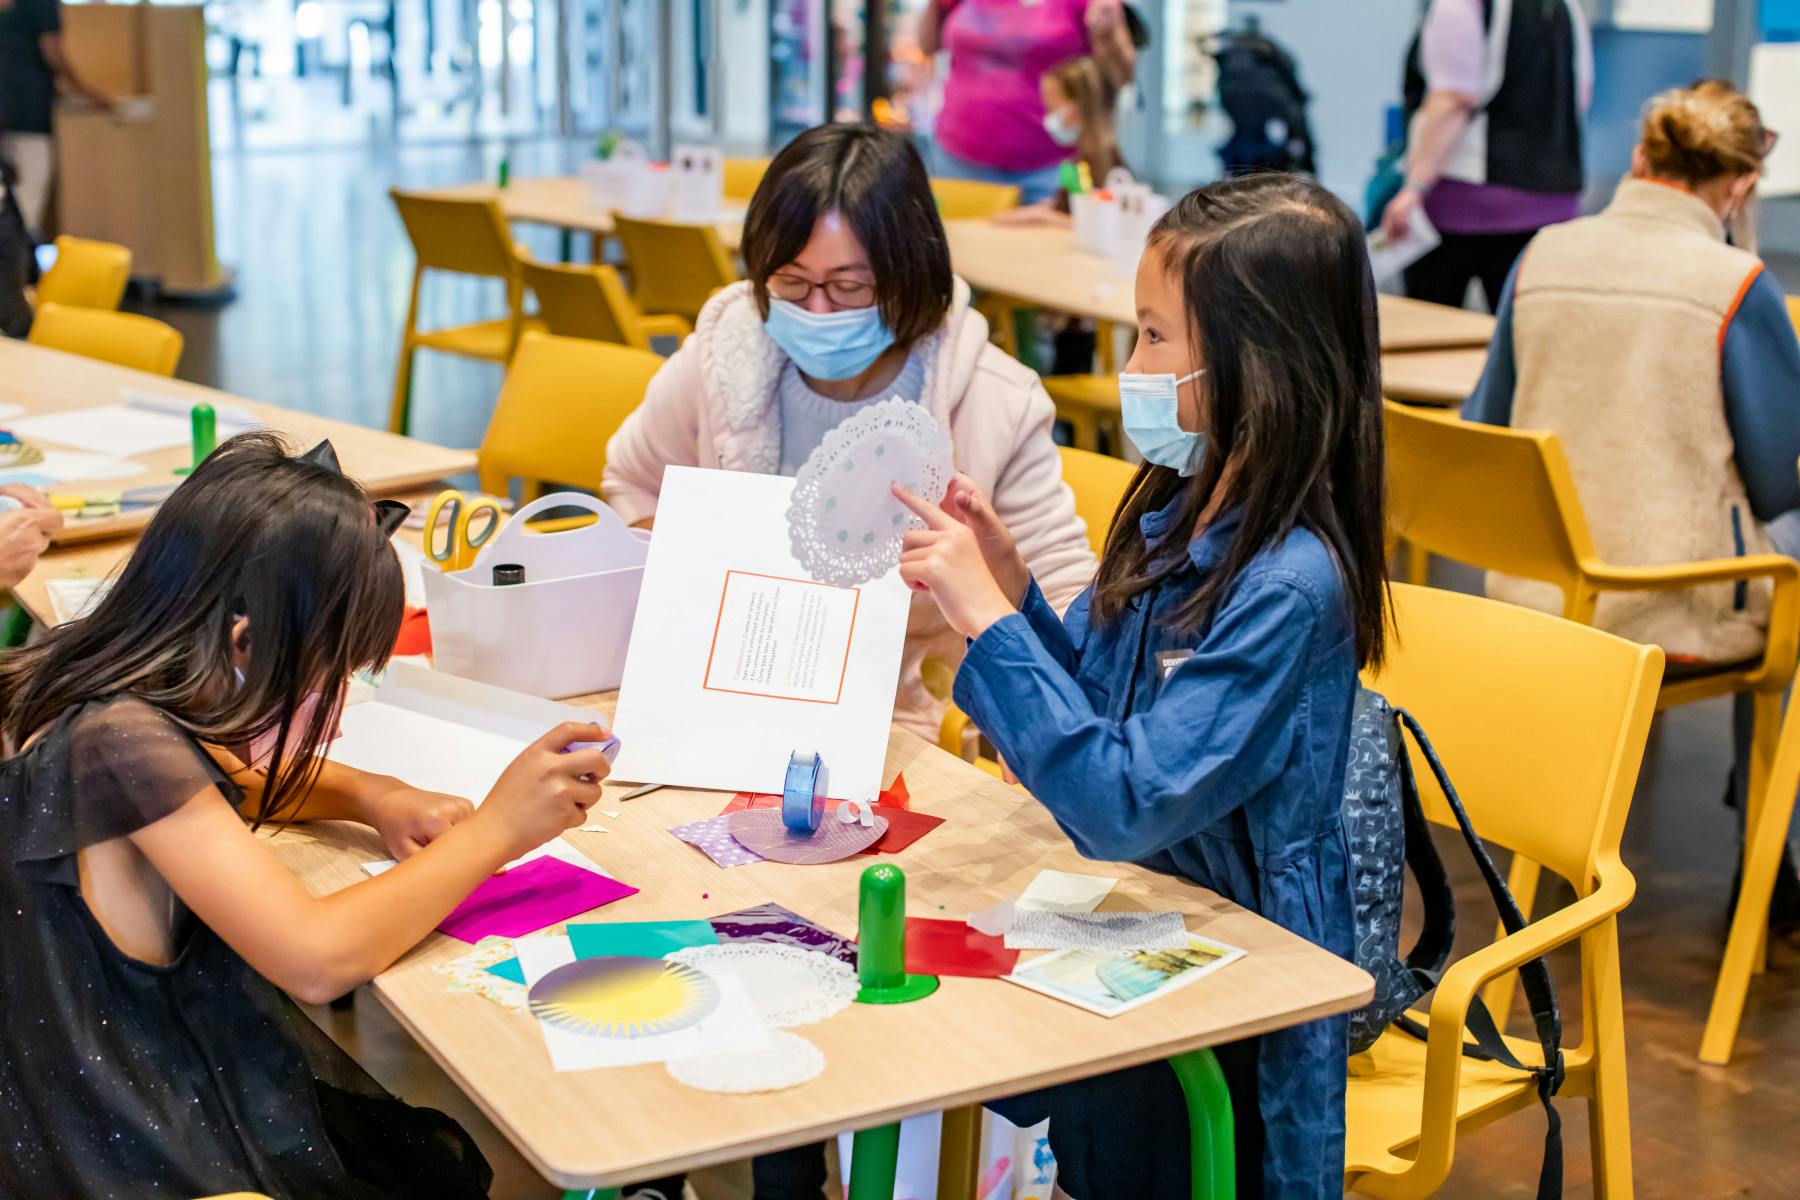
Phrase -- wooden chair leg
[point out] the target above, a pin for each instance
(1609, 1118)
(1211, 1129)
(1522, 879)
(1768, 814)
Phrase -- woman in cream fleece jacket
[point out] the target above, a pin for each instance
(850, 300)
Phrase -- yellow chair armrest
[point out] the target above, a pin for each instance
(1468, 975)
(665, 325)
(1778, 567)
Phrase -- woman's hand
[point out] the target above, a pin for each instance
(24, 536)
(947, 559)
(548, 788)
(409, 819)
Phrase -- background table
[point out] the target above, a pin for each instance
(40, 380)
(1443, 377)
(973, 1040)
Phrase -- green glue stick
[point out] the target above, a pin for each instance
(206, 435)
(505, 171)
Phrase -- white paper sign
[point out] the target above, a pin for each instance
(738, 657)
(1390, 256)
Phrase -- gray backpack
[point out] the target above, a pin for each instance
(1388, 835)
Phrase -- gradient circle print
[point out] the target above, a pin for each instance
(616, 996)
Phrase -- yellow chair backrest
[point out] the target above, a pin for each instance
(561, 403)
(964, 199)
(1794, 310)
(1502, 499)
(584, 302)
(126, 339)
(86, 274)
(468, 237)
(1099, 483)
(743, 176)
(674, 266)
(1540, 722)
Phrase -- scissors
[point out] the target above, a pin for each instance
(464, 532)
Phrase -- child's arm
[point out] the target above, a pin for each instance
(319, 947)
(407, 818)
(1220, 729)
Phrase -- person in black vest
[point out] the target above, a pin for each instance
(33, 68)
(1495, 95)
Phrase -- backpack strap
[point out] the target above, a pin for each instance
(1540, 995)
(1431, 949)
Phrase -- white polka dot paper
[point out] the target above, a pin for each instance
(844, 524)
(713, 836)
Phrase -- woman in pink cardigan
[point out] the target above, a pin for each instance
(849, 301)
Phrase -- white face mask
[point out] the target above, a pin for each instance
(1150, 410)
(1063, 129)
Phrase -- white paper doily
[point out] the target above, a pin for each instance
(844, 524)
(787, 1061)
(789, 986)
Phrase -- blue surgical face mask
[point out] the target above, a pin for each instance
(1151, 413)
(835, 345)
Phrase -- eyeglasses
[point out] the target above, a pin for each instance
(844, 293)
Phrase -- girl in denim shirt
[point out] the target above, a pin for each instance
(1192, 712)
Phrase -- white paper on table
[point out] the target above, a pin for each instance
(734, 1025)
(738, 658)
(72, 466)
(445, 734)
(1390, 256)
(74, 598)
(554, 848)
(1036, 929)
(145, 422)
(1063, 891)
(9, 411)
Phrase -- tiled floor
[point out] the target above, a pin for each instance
(323, 268)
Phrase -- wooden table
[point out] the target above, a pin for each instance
(42, 381)
(973, 1040)
(1039, 265)
(1444, 377)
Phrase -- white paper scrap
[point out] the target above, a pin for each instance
(72, 466)
(1037, 930)
(145, 423)
(76, 597)
(732, 1027)
(1064, 891)
(1390, 256)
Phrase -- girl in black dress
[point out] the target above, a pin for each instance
(148, 1047)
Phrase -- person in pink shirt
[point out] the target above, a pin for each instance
(991, 127)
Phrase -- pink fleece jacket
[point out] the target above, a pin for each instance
(713, 405)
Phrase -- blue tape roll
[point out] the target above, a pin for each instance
(802, 796)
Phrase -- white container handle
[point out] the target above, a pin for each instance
(607, 525)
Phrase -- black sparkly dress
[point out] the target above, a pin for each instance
(119, 1078)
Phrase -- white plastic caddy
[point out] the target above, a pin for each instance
(564, 631)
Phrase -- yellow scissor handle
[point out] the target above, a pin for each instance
(453, 546)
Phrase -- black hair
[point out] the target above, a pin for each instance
(287, 542)
(1281, 312)
(875, 179)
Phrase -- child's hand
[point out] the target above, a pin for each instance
(945, 559)
(409, 819)
(546, 791)
(964, 501)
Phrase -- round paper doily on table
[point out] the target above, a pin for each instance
(761, 830)
(787, 1061)
(844, 524)
(788, 985)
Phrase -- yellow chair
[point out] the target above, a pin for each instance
(461, 237)
(591, 302)
(561, 403)
(965, 199)
(1541, 724)
(675, 267)
(743, 176)
(1505, 500)
(1099, 483)
(127, 339)
(1090, 403)
(86, 274)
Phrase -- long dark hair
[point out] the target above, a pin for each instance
(1281, 312)
(289, 543)
(875, 178)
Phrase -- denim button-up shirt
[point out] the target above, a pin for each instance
(1216, 756)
